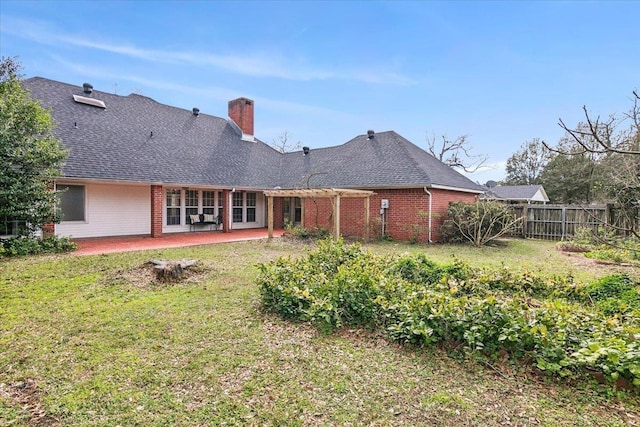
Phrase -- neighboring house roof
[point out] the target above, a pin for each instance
(137, 139)
(517, 193)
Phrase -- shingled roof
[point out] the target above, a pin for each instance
(517, 193)
(386, 160)
(140, 140)
(136, 139)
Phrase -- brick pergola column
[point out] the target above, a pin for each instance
(156, 210)
(49, 228)
(225, 211)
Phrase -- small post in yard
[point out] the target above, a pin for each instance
(336, 217)
(608, 214)
(270, 215)
(367, 216)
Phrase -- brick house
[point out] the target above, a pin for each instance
(138, 167)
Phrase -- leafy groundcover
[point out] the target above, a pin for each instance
(564, 328)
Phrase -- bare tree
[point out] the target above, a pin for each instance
(284, 143)
(456, 153)
(617, 141)
(606, 134)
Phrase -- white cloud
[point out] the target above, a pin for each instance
(208, 92)
(256, 64)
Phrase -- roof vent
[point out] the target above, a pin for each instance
(196, 111)
(87, 87)
(370, 134)
(305, 150)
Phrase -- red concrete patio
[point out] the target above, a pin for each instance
(105, 245)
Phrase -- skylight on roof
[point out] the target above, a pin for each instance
(89, 101)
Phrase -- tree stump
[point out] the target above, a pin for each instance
(171, 271)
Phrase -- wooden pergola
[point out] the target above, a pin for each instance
(335, 193)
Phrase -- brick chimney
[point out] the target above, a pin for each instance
(241, 112)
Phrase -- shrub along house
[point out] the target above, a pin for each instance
(138, 167)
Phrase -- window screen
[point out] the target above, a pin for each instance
(72, 202)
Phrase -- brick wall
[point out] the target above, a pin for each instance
(406, 219)
(241, 112)
(440, 204)
(157, 197)
(278, 220)
(318, 212)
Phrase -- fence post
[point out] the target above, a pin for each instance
(608, 215)
(524, 221)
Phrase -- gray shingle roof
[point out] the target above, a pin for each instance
(516, 192)
(385, 161)
(116, 143)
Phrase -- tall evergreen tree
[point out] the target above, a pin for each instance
(30, 156)
(525, 166)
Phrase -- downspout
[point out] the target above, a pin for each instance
(430, 197)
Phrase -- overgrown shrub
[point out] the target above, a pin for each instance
(306, 233)
(551, 321)
(612, 254)
(29, 245)
(615, 294)
(478, 223)
(335, 285)
(603, 245)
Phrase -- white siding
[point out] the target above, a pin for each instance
(111, 210)
(539, 197)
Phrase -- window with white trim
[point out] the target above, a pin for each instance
(173, 206)
(244, 206)
(251, 207)
(191, 204)
(72, 202)
(209, 202)
(220, 204)
(238, 204)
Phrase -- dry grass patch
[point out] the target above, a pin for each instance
(144, 276)
(26, 398)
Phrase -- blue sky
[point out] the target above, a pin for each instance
(500, 72)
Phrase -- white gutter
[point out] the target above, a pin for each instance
(464, 190)
(429, 193)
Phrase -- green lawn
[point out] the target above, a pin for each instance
(90, 341)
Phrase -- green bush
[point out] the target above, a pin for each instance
(418, 268)
(610, 286)
(306, 233)
(615, 294)
(29, 245)
(335, 285)
(416, 301)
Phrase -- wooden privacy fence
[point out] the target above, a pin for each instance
(557, 222)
